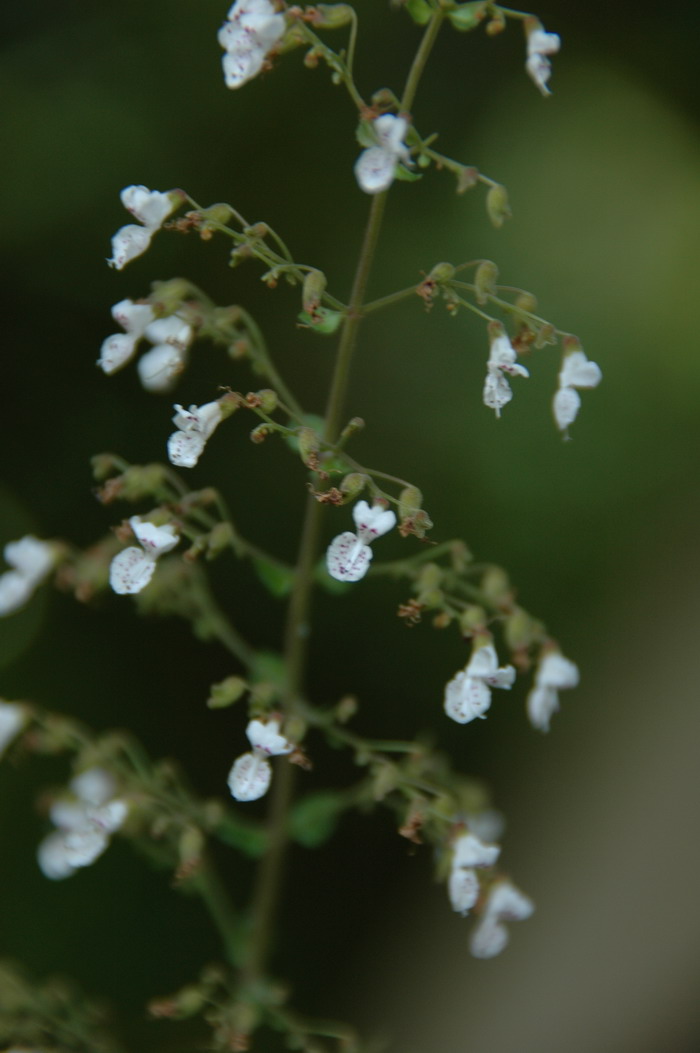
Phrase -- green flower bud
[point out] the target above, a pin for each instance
(309, 445)
(167, 297)
(441, 272)
(468, 16)
(525, 301)
(268, 400)
(485, 281)
(496, 587)
(333, 16)
(260, 433)
(497, 205)
(410, 501)
(353, 485)
(419, 10)
(219, 539)
(226, 692)
(472, 619)
(191, 845)
(430, 577)
(312, 291)
(546, 334)
(386, 779)
(520, 630)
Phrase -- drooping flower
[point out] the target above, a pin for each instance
(349, 555)
(13, 717)
(150, 207)
(577, 371)
(251, 30)
(469, 853)
(118, 349)
(468, 694)
(84, 820)
(553, 674)
(502, 359)
(195, 427)
(31, 561)
(132, 568)
(505, 903)
(540, 44)
(158, 368)
(375, 168)
(250, 776)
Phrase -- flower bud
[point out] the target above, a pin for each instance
(268, 400)
(525, 301)
(472, 619)
(386, 779)
(497, 205)
(191, 845)
(353, 485)
(485, 281)
(521, 630)
(441, 272)
(226, 692)
(167, 297)
(218, 214)
(346, 709)
(312, 291)
(496, 25)
(260, 433)
(496, 586)
(468, 16)
(419, 10)
(546, 334)
(410, 501)
(218, 539)
(430, 577)
(309, 445)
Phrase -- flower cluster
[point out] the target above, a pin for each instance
(171, 337)
(13, 717)
(468, 694)
(576, 372)
(469, 853)
(349, 555)
(30, 560)
(251, 773)
(505, 903)
(251, 30)
(539, 45)
(84, 821)
(195, 427)
(132, 568)
(150, 208)
(502, 359)
(375, 168)
(553, 674)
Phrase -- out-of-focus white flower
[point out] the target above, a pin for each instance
(539, 45)
(118, 349)
(31, 561)
(251, 30)
(84, 821)
(150, 207)
(349, 555)
(463, 885)
(375, 168)
(468, 694)
(249, 778)
(502, 359)
(553, 674)
(577, 371)
(13, 717)
(132, 568)
(505, 903)
(195, 427)
(158, 368)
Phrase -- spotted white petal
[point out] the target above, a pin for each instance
(539, 42)
(541, 704)
(30, 557)
(497, 391)
(156, 540)
(348, 558)
(508, 903)
(128, 243)
(131, 570)
(557, 671)
(171, 330)
(160, 367)
(250, 777)
(94, 786)
(149, 207)
(463, 889)
(466, 698)
(116, 351)
(265, 736)
(374, 169)
(372, 522)
(133, 317)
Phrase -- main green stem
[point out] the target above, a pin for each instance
(297, 629)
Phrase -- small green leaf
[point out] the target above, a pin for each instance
(226, 692)
(324, 320)
(278, 580)
(468, 16)
(314, 818)
(406, 175)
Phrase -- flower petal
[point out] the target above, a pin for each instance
(348, 558)
(249, 778)
(131, 570)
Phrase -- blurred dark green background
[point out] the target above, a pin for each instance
(599, 533)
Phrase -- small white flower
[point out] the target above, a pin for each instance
(13, 717)
(31, 561)
(149, 207)
(132, 568)
(348, 556)
(251, 30)
(554, 673)
(577, 371)
(118, 349)
(160, 367)
(469, 851)
(376, 166)
(505, 903)
(539, 45)
(195, 427)
(128, 243)
(462, 889)
(463, 885)
(84, 820)
(265, 736)
(502, 359)
(468, 694)
(249, 778)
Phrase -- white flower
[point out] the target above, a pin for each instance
(463, 886)
(349, 555)
(160, 367)
(31, 561)
(502, 359)
(375, 167)
(132, 568)
(553, 673)
(195, 427)
(252, 29)
(505, 903)
(576, 372)
(539, 45)
(85, 819)
(468, 694)
(150, 207)
(13, 717)
(249, 778)
(118, 349)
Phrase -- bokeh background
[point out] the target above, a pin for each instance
(600, 533)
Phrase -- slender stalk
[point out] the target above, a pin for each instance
(416, 71)
(216, 899)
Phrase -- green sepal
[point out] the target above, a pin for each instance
(468, 16)
(419, 10)
(315, 817)
(308, 420)
(251, 840)
(276, 579)
(406, 175)
(324, 321)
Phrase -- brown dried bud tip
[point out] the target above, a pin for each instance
(442, 620)
(327, 497)
(413, 824)
(163, 1008)
(410, 612)
(300, 758)
(260, 433)
(111, 490)
(427, 290)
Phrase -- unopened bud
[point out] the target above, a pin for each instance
(260, 433)
(525, 301)
(468, 16)
(485, 281)
(571, 343)
(346, 709)
(353, 425)
(332, 16)
(547, 334)
(268, 400)
(496, 25)
(497, 205)
(410, 500)
(167, 297)
(219, 539)
(520, 630)
(312, 291)
(430, 576)
(386, 779)
(441, 272)
(384, 99)
(496, 586)
(191, 845)
(472, 619)
(309, 445)
(467, 177)
(226, 692)
(353, 484)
